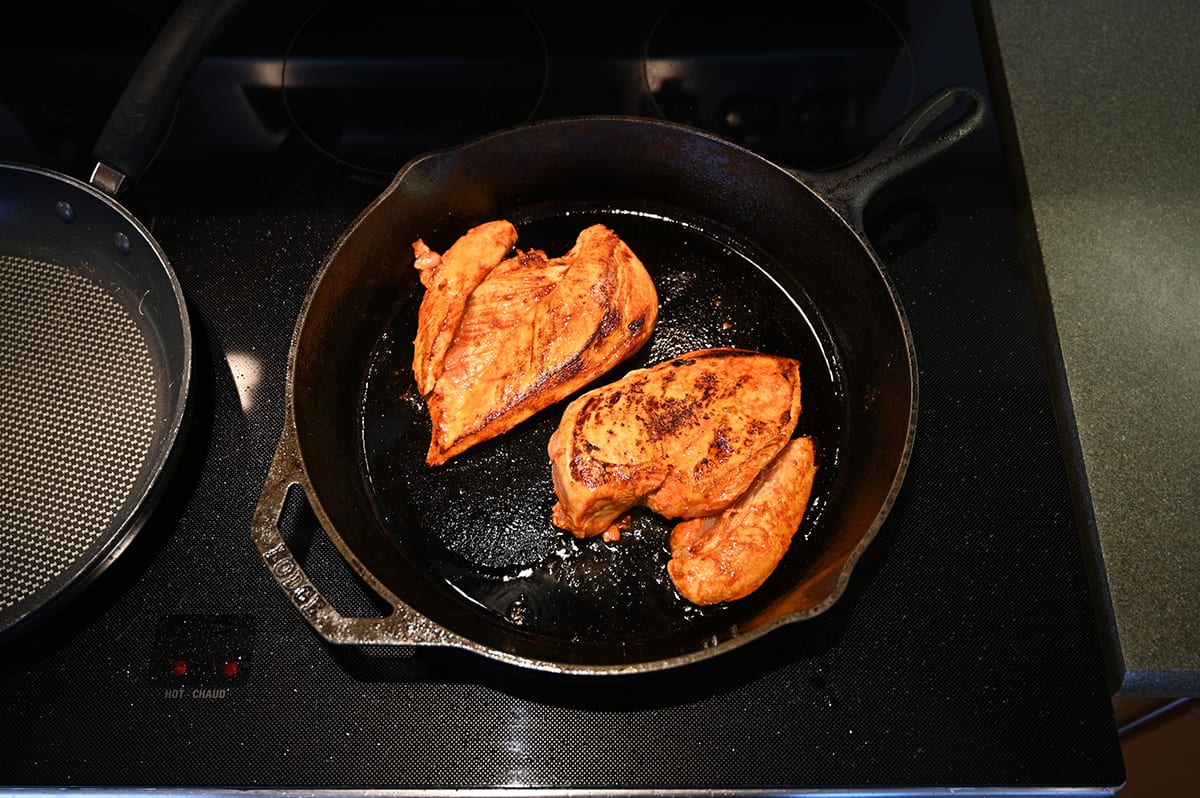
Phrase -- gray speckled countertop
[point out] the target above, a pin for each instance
(1104, 120)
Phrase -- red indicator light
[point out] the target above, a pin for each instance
(230, 668)
(178, 667)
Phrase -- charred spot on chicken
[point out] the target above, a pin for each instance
(706, 438)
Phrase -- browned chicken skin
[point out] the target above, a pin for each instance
(727, 556)
(685, 438)
(499, 339)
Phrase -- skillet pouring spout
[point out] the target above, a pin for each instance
(744, 253)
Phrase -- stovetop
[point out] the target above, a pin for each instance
(966, 651)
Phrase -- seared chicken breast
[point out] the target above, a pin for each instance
(684, 438)
(500, 338)
(449, 280)
(727, 556)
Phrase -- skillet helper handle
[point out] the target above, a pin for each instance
(403, 626)
(138, 124)
(849, 190)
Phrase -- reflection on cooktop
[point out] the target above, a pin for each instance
(808, 85)
(370, 84)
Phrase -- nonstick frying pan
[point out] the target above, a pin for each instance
(95, 346)
(743, 252)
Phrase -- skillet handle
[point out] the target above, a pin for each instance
(138, 124)
(404, 626)
(849, 190)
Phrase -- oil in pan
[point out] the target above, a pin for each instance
(483, 519)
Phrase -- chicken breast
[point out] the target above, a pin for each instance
(530, 330)
(685, 438)
(728, 556)
(449, 280)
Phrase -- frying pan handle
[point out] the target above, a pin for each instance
(402, 627)
(138, 124)
(848, 190)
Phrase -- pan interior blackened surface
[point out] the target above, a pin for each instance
(481, 523)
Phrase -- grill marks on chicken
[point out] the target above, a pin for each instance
(500, 338)
(685, 438)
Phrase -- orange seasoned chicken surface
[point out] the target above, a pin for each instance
(727, 556)
(501, 336)
(684, 438)
(449, 280)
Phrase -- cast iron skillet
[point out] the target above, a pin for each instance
(95, 346)
(743, 252)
